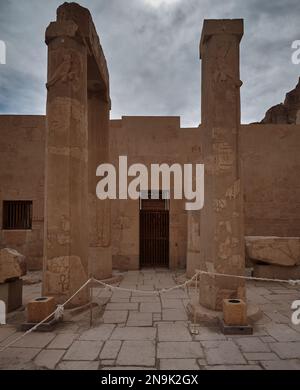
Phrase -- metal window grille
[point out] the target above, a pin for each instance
(17, 215)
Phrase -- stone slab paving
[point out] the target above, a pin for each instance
(141, 331)
(49, 358)
(137, 353)
(84, 350)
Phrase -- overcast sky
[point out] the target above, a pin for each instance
(152, 52)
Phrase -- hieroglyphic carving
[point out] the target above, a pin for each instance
(224, 156)
(222, 159)
(234, 191)
(69, 70)
(64, 275)
(225, 249)
(219, 205)
(60, 267)
(219, 134)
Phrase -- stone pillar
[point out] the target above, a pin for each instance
(66, 187)
(100, 256)
(222, 237)
(193, 243)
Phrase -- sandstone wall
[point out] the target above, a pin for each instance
(149, 140)
(22, 178)
(271, 165)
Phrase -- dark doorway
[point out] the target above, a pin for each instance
(154, 232)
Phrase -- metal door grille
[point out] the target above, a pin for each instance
(154, 238)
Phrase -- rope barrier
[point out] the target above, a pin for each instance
(291, 282)
(58, 313)
(154, 292)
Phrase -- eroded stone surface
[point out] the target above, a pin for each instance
(63, 277)
(12, 265)
(274, 250)
(178, 364)
(137, 353)
(49, 358)
(224, 352)
(185, 350)
(84, 350)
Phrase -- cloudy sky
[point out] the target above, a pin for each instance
(152, 51)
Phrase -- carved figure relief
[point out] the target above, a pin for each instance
(223, 72)
(70, 70)
(234, 191)
(219, 205)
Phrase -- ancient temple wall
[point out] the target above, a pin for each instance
(22, 162)
(149, 140)
(271, 166)
(273, 172)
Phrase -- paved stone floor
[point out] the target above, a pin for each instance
(150, 332)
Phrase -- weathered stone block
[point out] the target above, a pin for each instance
(276, 272)
(284, 251)
(39, 309)
(235, 312)
(11, 294)
(12, 265)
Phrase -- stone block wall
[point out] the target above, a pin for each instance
(271, 170)
(22, 151)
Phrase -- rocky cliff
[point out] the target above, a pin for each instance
(287, 112)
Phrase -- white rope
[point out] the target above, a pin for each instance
(154, 292)
(58, 313)
(291, 282)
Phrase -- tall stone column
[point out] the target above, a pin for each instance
(100, 256)
(193, 243)
(222, 236)
(66, 203)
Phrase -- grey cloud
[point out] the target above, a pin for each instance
(152, 54)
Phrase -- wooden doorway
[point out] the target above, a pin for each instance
(154, 232)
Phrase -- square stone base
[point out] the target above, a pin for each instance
(11, 294)
(39, 309)
(246, 330)
(201, 315)
(45, 327)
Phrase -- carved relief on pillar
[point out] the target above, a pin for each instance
(68, 69)
(224, 77)
(224, 80)
(63, 277)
